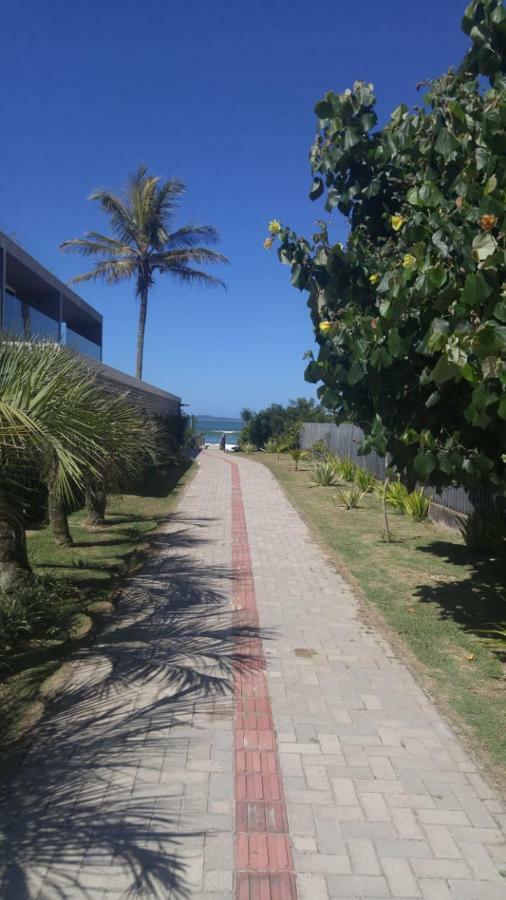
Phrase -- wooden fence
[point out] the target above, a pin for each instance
(448, 506)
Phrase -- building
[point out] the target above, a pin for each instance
(34, 303)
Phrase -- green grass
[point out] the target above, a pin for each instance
(93, 569)
(433, 592)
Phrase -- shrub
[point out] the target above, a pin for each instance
(350, 498)
(43, 609)
(396, 496)
(365, 480)
(271, 446)
(323, 474)
(417, 505)
(248, 447)
(319, 450)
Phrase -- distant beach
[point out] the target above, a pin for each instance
(215, 428)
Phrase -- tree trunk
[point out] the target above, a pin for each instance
(143, 298)
(96, 504)
(388, 537)
(15, 569)
(59, 520)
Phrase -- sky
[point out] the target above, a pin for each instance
(221, 94)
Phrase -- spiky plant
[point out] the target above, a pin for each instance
(142, 243)
(349, 498)
(322, 474)
(365, 480)
(417, 505)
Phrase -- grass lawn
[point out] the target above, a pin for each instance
(432, 592)
(93, 568)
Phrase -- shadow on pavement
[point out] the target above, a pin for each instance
(88, 809)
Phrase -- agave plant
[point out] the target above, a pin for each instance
(365, 480)
(271, 445)
(322, 474)
(347, 469)
(248, 447)
(417, 505)
(350, 498)
(396, 495)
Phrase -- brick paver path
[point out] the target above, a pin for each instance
(237, 731)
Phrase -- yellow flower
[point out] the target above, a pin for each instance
(374, 278)
(397, 222)
(274, 226)
(325, 328)
(409, 261)
(268, 243)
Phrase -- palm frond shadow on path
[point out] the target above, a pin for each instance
(87, 798)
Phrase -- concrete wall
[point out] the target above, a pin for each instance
(152, 400)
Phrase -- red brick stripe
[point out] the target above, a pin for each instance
(263, 859)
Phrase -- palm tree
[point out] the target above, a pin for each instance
(142, 243)
(132, 442)
(48, 422)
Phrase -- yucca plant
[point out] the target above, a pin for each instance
(396, 495)
(322, 474)
(417, 505)
(365, 480)
(142, 244)
(248, 447)
(350, 498)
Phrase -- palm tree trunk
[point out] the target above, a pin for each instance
(143, 309)
(59, 520)
(14, 566)
(96, 504)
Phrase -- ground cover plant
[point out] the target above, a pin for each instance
(440, 598)
(73, 587)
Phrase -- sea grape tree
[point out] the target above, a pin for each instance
(410, 315)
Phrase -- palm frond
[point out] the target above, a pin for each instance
(120, 215)
(95, 244)
(112, 271)
(187, 275)
(191, 235)
(187, 256)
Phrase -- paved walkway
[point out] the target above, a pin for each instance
(236, 731)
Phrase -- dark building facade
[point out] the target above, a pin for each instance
(34, 303)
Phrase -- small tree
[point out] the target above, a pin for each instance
(410, 316)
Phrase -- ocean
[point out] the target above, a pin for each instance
(214, 428)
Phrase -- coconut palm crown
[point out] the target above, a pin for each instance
(143, 244)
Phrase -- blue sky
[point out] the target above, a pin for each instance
(220, 94)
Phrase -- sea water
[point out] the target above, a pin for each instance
(215, 428)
